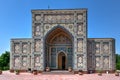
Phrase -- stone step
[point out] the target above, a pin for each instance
(58, 72)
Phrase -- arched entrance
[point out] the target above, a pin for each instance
(58, 48)
(61, 61)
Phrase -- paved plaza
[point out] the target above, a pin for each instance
(28, 76)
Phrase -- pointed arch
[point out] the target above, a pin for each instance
(61, 28)
(56, 33)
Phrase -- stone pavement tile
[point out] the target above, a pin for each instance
(28, 76)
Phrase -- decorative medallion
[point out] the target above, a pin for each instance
(80, 17)
(37, 17)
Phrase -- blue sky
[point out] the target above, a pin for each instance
(15, 18)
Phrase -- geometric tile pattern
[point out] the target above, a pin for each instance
(106, 48)
(106, 63)
(24, 61)
(80, 45)
(80, 61)
(97, 62)
(16, 48)
(24, 48)
(16, 61)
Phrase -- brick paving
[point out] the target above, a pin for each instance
(6, 75)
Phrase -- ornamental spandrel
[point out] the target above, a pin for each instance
(69, 27)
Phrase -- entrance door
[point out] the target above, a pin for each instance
(61, 61)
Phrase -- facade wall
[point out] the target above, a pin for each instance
(101, 54)
(20, 55)
(75, 21)
(86, 54)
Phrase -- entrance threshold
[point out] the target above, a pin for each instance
(55, 72)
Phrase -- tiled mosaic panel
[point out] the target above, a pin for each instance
(106, 62)
(106, 47)
(16, 61)
(69, 27)
(61, 39)
(97, 60)
(80, 45)
(37, 45)
(97, 48)
(58, 17)
(24, 61)
(16, 48)
(80, 61)
(37, 61)
(80, 30)
(24, 48)
(37, 30)
(80, 17)
(38, 17)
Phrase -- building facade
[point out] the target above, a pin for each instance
(59, 40)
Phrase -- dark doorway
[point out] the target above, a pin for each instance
(61, 61)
